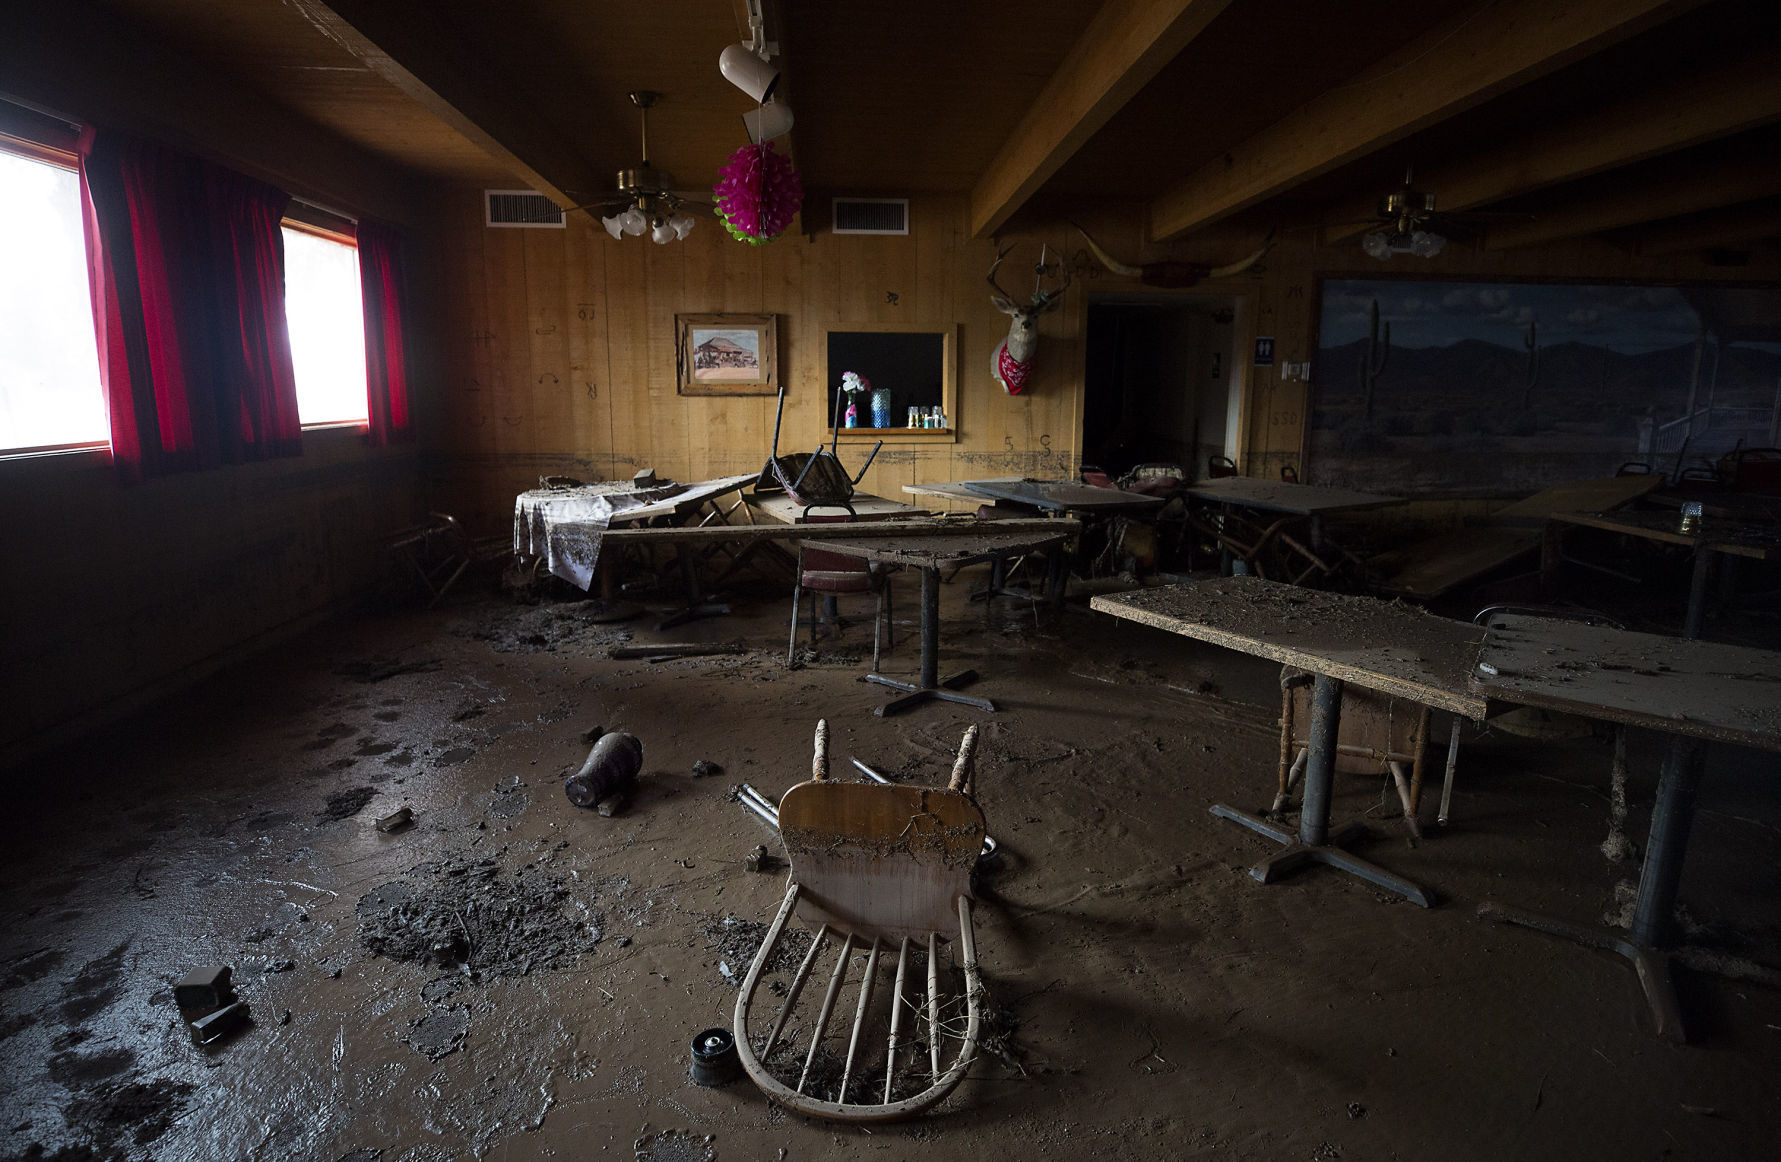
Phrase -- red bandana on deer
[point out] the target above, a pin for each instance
(1013, 375)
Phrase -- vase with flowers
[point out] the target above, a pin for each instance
(853, 385)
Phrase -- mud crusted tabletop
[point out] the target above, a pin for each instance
(1697, 688)
(1391, 647)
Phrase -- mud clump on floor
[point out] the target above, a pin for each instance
(543, 628)
(471, 921)
(736, 941)
(136, 1111)
(675, 1146)
(345, 804)
(440, 1032)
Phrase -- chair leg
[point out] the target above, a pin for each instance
(878, 626)
(791, 646)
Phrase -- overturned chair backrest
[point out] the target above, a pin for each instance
(880, 869)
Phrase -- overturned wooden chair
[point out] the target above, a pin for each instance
(1376, 734)
(879, 867)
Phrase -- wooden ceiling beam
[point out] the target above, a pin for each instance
(1730, 98)
(1738, 225)
(1456, 66)
(405, 43)
(1690, 189)
(1123, 49)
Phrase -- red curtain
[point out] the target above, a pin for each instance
(187, 268)
(386, 367)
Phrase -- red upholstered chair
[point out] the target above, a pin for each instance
(832, 574)
(1218, 467)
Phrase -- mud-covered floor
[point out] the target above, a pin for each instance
(516, 977)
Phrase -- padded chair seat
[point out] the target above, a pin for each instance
(837, 581)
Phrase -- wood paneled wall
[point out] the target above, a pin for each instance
(559, 353)
(559, 345)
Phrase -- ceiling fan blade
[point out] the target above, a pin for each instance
(613, 200)
(1518, 215)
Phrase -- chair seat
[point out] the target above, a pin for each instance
(827, 581)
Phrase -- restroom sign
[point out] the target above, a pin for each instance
(1264, 350)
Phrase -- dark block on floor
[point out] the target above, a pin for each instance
(219, 1024)
(203, 989)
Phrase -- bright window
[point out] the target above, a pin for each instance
(326, 316)
(50, 392)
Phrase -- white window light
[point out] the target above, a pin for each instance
(51, 396)
(324, 311)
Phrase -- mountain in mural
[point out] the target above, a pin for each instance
(1453, 418)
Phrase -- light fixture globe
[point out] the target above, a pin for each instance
(614, 224)
(748, 72)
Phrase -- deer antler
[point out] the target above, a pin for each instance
(1000, 255)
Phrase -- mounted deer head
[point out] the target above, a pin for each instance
(1012, 364)
(1175, 275)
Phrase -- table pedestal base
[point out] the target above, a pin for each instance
(1652, 964)
(1296, 854)
(917, 694)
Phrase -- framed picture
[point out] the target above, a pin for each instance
(727, 354)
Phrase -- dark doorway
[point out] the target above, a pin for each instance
(1159, 380)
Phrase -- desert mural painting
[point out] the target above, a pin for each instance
(1429, 388)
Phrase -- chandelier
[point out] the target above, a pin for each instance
(647, 202)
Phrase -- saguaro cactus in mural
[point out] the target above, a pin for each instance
(1530, 373)
(1373, 360)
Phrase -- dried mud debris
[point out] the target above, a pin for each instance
(472, 920)
(542, 628)
(345, 804)
(736, 941)
(115, 1119)
(440, 1032)
(675, 1146)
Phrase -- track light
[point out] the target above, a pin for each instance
(767, 121)
(748, 71)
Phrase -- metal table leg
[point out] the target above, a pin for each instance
(1697, 593)
(930, 685)
(1671, 820)
(1314, 843)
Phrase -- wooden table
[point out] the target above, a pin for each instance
(1395, 649)
(957, 490)
(1307, 502)
(565, 527)
(780, 507)
(930, 555)
(1065, 496)
(1433, 565)
(1710, 537)
(1690, 690)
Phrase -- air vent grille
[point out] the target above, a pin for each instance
(871, 215)
(521, 209)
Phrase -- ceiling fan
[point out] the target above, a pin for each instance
(1408, 223)
(646, 199)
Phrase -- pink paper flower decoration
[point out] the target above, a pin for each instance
(757, 193)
